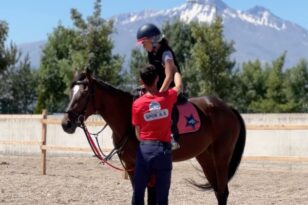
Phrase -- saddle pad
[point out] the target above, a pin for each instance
(189, 120)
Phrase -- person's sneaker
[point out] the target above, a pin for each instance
(174, 144)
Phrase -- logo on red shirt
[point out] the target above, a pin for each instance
(154, 106)
(155, 112)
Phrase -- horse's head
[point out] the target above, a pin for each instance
(81, 104)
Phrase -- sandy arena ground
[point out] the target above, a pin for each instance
(85, 181)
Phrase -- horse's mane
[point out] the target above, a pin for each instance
(106, 86)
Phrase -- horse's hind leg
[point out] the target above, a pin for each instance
(216, 172)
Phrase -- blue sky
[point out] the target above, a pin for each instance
(33, 20)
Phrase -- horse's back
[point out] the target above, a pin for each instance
(209, 103)
(219, 117)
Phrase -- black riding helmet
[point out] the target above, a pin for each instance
(147, 31)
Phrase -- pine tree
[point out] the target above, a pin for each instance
(251, 83)
(211, 60)
(275, 98)
(296, 87)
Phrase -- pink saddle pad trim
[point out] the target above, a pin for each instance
(189, 120)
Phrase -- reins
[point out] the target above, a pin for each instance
(96, 138)
(98, 151)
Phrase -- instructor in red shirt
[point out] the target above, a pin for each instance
(151, 116)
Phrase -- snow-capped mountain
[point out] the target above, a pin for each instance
(257, 33)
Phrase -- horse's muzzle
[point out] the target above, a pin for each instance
(68, 125)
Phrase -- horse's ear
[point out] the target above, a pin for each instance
(88, 73)
(76, 73)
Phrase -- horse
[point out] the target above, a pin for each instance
(217, 146)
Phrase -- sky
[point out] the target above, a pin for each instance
(32, 20)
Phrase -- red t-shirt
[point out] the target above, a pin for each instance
(153, 115)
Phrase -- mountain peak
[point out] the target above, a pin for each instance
(204, 1)
(258, 11)
(219, 4)
(201, 10)
(259, 15)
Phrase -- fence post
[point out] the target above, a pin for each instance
(43, 142)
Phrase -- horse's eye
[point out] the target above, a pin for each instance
(85, 87)
(85, 90)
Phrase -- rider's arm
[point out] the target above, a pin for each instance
(177, 82)
(170, 69)
(137, 131)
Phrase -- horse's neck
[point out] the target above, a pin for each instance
(115, 108)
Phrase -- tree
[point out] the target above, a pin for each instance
(250, 86)
(17, 80)
(275, 99)
(24, 84)
(8, 56)
(69, 50)
(139, 59)
(94, 36)
(296, 87)
(3, 35)
(211, 60)
(55, 71)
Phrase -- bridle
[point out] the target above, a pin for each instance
(79, 119)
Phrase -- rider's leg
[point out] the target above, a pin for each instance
(175, 137)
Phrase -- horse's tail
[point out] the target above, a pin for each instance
(239, 147)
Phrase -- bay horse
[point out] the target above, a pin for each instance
(217, 146)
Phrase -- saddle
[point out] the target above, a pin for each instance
(185, 116)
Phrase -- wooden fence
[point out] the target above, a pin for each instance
(44, 147)
(43, 142)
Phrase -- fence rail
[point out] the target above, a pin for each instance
(276, 158)
(43, 118)
(277, 127)
(19, 142)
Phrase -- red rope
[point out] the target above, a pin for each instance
(98, 154)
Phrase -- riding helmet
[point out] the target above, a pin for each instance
(148, 31)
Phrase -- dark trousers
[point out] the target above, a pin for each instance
(153, 158)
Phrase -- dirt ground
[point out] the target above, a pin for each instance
(84, 181)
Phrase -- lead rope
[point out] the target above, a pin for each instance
(98, 152)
